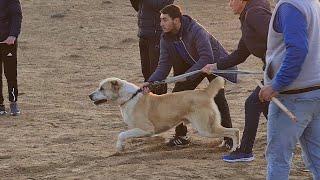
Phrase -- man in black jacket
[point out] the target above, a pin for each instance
(149, 36)
(10, 26)
(254, 17)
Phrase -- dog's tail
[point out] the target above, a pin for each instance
(214, 86)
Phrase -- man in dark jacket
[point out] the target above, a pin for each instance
(186, 46)
(149, 36)
(10, 25)
(254, 17)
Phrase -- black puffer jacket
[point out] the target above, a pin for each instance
(149, 16)
(254, 20)
(10, 18)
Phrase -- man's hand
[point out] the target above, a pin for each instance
(145, 88)
(266, 93)
(209, 68)
(10, 40)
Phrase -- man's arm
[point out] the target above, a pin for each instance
(15, 17)
(292, 23)
(135, 4)
(164, 65)
(157, 5)
(236, 57)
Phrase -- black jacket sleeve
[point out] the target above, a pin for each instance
(135, 4)
(164, 65)
(15, 17)
(235, 58)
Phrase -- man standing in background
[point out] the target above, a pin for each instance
(149, 36)
(10, 26)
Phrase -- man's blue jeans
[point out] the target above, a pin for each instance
(283, 134)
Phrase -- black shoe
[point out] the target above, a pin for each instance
(178, 141)
(2, 110)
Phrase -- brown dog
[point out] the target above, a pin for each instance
(149, 114)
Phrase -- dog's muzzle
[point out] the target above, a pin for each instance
(97, 102)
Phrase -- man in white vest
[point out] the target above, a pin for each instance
(293, 75)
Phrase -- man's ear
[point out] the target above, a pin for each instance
(176, 20)
(115, 85)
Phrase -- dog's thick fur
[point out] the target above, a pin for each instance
(149, 114)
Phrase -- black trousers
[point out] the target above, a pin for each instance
(8, 64)
(220, 100)
(149, 54)
(253, 109)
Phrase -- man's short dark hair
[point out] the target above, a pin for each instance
(172, 10)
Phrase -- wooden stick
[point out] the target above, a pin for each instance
(280, 105)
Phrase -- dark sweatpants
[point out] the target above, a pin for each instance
(8, 63)
(253, 108)
(149, 54)
(220, 100)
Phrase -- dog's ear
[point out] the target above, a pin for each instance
(115, 85)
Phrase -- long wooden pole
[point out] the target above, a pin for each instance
(280, 105)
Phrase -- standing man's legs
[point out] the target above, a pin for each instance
(10, 71)
(283, 135)
(149, 54)
(144, 56)
(253, 109)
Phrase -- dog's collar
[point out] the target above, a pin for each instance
(133, 95)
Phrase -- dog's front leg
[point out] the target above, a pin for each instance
(132, 133)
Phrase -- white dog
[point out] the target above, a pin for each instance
(151, 114)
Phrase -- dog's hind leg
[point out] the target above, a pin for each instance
(132, 133)
(209, 125)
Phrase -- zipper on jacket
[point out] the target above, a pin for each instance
(187, 50)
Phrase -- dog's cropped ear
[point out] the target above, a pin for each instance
(115, 85)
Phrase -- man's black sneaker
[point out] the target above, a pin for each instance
(2, 110)
(179, 141)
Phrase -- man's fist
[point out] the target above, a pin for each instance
(145, 88)
(10, 40)
(209, 68)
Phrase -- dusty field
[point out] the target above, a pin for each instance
(66, 48)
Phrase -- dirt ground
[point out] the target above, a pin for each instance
(66, 48)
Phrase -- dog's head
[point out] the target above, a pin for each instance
(108, 90)
(112, 89)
